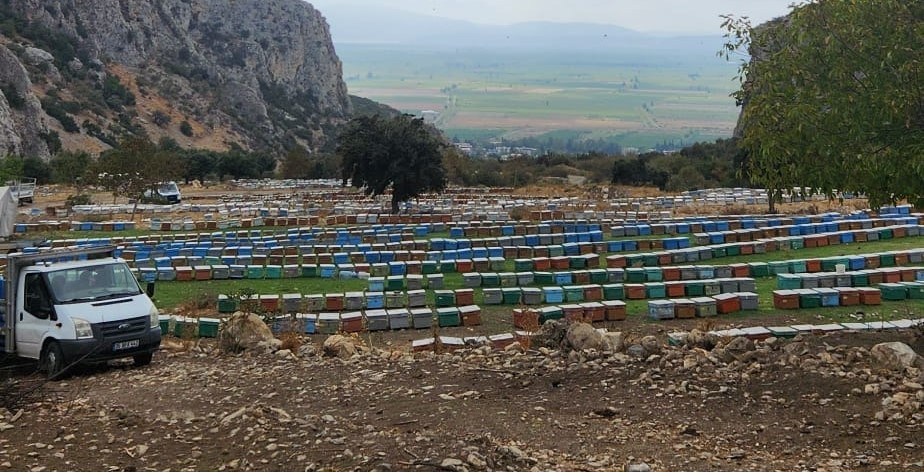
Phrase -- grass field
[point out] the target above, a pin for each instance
(641, 101)
(171, 295)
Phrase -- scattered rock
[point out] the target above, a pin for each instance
(339, 346)
(651, 345)
(896, 356)
(640, 467)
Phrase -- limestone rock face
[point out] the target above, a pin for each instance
(265, 69)
(22, 121)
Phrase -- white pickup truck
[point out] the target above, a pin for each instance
(78, 305)
(23, 189)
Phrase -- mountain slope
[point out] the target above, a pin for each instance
(260, 74)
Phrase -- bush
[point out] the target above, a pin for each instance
(79, 199)
(186, 128)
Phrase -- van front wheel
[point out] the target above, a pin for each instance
(52, 361)
(143, 359)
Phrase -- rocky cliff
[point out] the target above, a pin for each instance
(260, 74)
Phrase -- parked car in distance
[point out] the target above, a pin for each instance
(166, 192)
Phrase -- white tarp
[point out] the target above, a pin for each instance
(7, 212)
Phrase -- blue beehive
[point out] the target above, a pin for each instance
(553, 294)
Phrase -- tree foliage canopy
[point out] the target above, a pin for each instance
(834, 98)
(399, 153)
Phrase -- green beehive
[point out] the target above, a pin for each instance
(788, 281)
(511, 295)
(497, 264)
(859, 279)
(887, 260)
(574, 293)
(797, 243)
(695, 289)
(733, 250)
(523, 265)
(779, 267)
(429, 267)
(809, 299)
(550, 313)
(635, 260)
(893, 291)
(226, 304)
(829, 264)
(255, 271)
(885, 233)
(273, 272)
(394, 282)
(650, 260)
(208, 327)
(507, 279)
(614, 292)
(490, 279)
(798, 266)
(544, 278)
(712, 288)
(635, 275)
(653, 274)
(759, 269)
(718, 251)
(444, 297)
(448, 316)
(598, 276)
(577, 262)
(309, 270)
(915, 290)
(655, 290)
(556, 250)
(448, 267)
(164, 322)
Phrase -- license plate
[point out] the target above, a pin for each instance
(123, 345)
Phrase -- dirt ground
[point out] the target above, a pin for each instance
(818, 403)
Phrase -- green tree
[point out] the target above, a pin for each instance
(833, 99)
(71, 168)
(35, 167)
(399, 153)
(136, 166)
(296, 164)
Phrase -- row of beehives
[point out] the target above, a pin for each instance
(336, 322)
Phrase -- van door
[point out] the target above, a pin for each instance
(34, 309)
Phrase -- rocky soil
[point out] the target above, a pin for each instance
(575, 401)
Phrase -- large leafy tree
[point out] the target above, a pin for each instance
(833, 98)
(400, 153)
(135, 166)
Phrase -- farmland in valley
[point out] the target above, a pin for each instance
(638, 99)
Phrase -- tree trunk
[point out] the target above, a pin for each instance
(771, 197)
(394, 205)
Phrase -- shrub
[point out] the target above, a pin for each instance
(186, 128)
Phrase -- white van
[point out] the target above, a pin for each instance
(76, 306)
(168, 192)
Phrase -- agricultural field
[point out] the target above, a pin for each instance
(637, 100)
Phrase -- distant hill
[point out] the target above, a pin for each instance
(382, 25)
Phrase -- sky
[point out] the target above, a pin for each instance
(674, 16)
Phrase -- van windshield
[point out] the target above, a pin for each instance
(168, 188)
(89, 283)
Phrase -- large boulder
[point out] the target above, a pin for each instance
(896, 356)
(583, 336)
(340, 346)
(243, 331)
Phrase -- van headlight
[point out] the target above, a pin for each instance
(154, 316)
(82, 328)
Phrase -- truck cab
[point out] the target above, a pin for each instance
(65, 308)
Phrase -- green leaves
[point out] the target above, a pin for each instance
(833, 80)
(400, 153)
